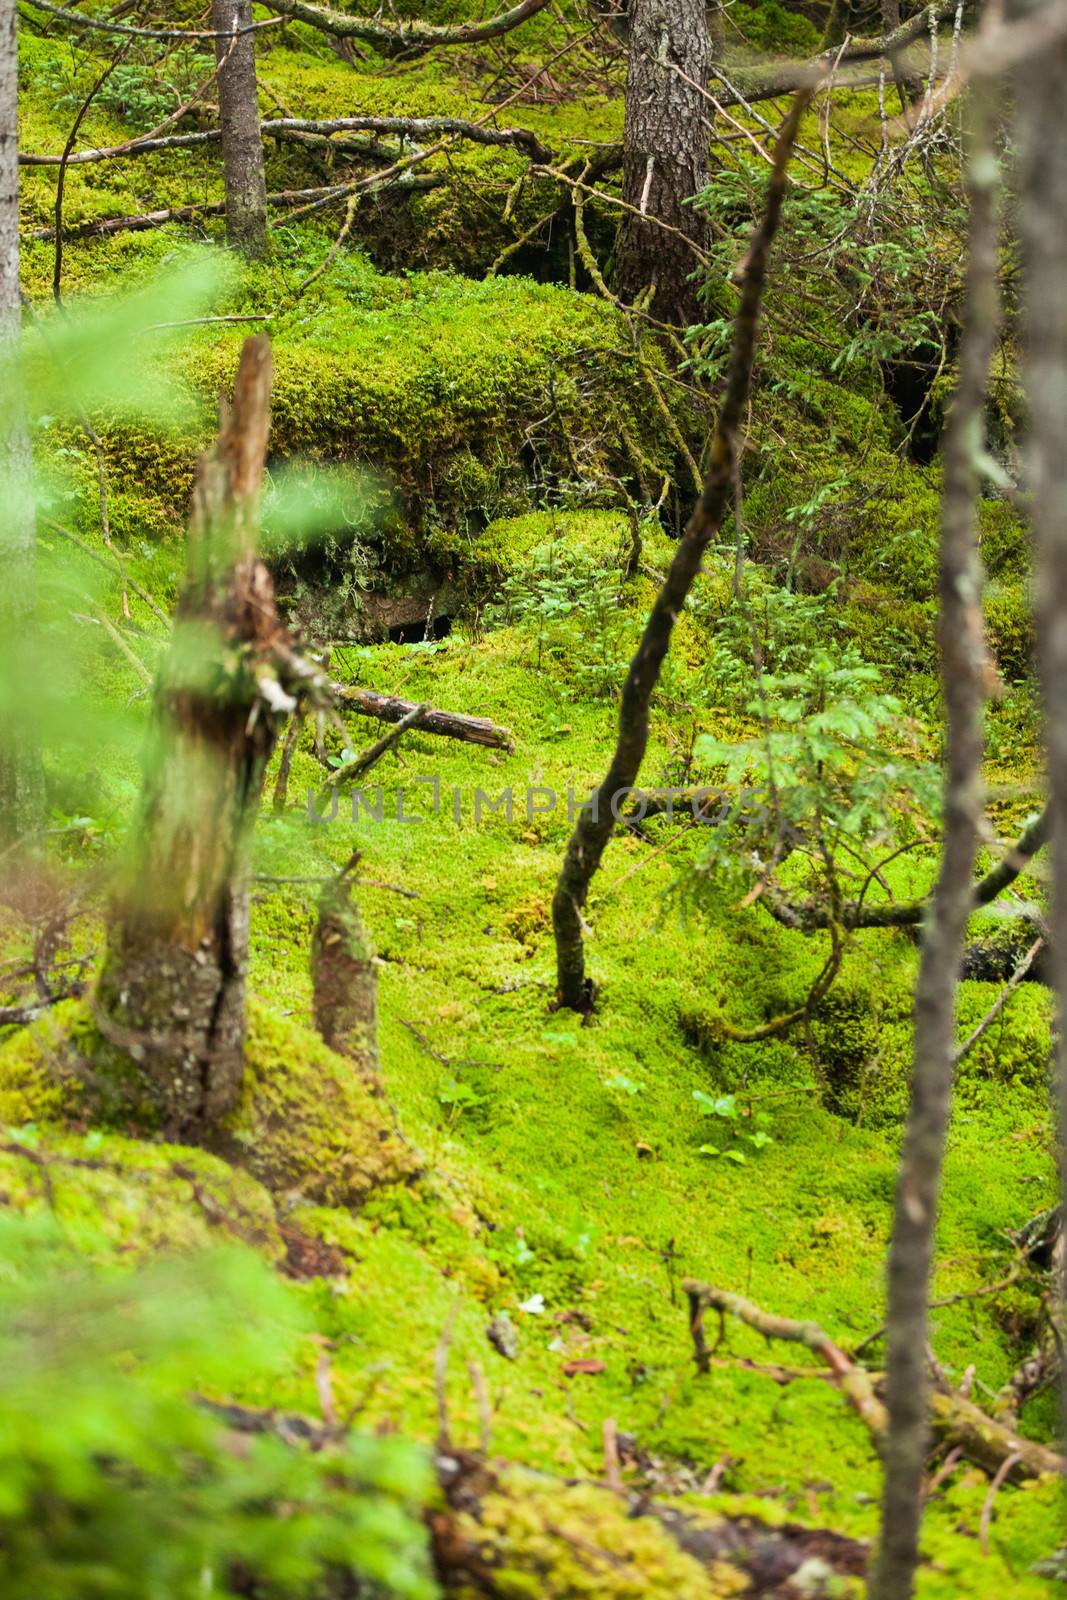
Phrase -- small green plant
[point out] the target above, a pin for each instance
(825, 781)
(736, 1126)
(141, 93)
(569, 602)
(458, 1097)
(625, 1085)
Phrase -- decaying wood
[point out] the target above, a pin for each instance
(343, 975)
(449, 724)
(497, 1525)
(171, 998)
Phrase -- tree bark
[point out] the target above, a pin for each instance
(665, 155)
(172, 994)
(21, 781)
(596, 821)
(1042, 188)
(343, 977)
(965, 673)
(242, 142)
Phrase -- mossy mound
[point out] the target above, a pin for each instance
(126, 1198)
(551, 1541)
(306, 1123)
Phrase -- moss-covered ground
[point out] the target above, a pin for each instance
(552, 1170)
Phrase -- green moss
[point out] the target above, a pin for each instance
(1009, 614)
(769, 26)
(306, 1123)
(39, 1066)
(121, 1198)
(1005, 542)
(551, 1541)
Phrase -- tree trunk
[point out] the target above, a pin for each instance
(964, 674)
(343, 978)
(1042, 189)
(21, 782)
(665, 155)
(242, 142)
(597, 820)
(172, 993)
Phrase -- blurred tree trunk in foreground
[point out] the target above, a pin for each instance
(21, 781)
(172, 994)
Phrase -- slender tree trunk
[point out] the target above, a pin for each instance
(964, 671)
(21, 782)
(172, 993)
(665, 155)
(596, 822)
(242, 142)
(1042, 183)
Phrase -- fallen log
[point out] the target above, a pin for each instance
(988, 1443)
(449, 724)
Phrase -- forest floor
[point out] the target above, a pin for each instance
(564, 1176)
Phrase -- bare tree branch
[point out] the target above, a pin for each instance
(806, 918)
(405, 37)
(278, 127)
(597, 820)
(105, 25)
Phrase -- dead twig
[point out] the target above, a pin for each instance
(986, 1518)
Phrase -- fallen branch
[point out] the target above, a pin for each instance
(1002, 999)
(989, 1443)
(807, 917)
(320, 128)
(449, 724)
(373, 753)
(853, 1381)
(955, 1420)
(310, 199)
(408, 37)
(105, 25)
(481, 1550)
